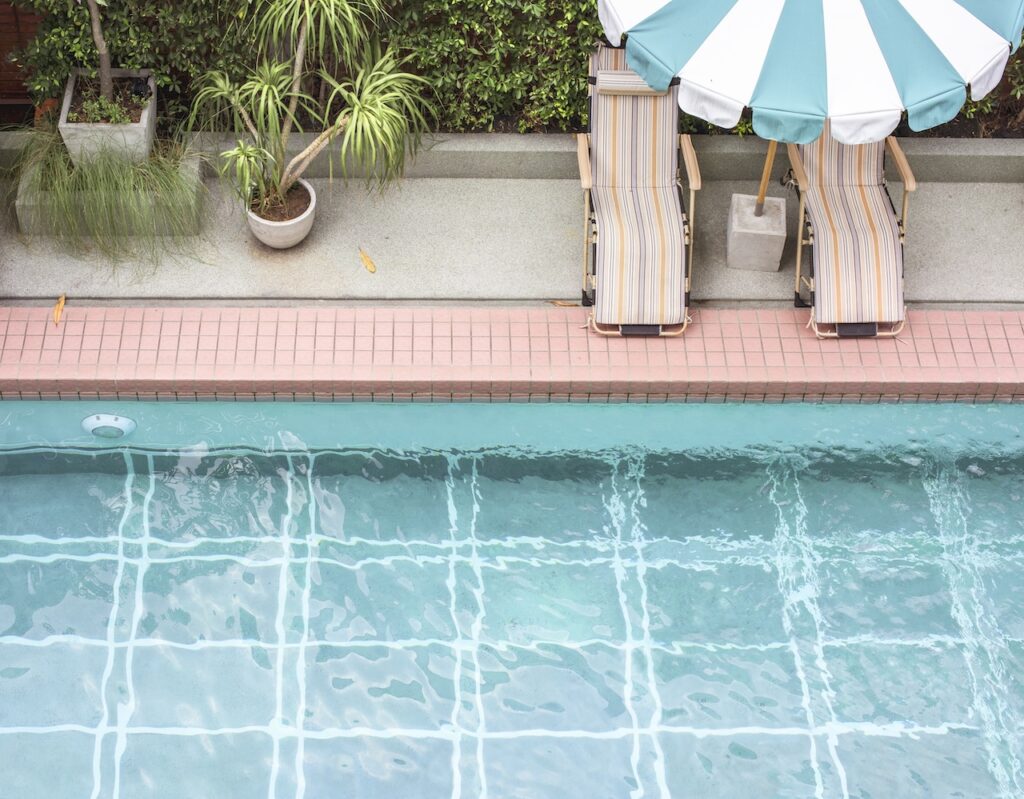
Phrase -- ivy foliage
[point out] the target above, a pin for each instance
(501, 64)
(177, 39)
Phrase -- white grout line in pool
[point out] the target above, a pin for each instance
(452, 583)
(126, 711)
(282, 597)
(984, 647)
(790, 590)
(616, 510)
(307, 588)
(933, 642)
(804, 547)
(500, 562)
(636, 472)
(478, 624)
(983, 557)
(108, 668)
(865, 728)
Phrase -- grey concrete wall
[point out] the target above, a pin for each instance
(553, 156)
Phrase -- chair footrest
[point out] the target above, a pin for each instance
(857, 330)
(640, 330)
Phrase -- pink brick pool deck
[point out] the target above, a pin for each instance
(501, 354)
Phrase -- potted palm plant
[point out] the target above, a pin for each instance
(368, 109)
(116, 116)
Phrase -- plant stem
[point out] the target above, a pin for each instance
(247, 121)
(106, 80)
(301, 162)
(298, 68)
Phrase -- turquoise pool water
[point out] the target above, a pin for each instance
(505, 602)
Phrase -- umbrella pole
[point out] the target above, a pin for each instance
(766, 176)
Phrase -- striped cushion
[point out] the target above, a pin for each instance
(829, 163)
(623, 81)
(641, 254)
(634, 138)
(858, 260)
(641, 251)
(605, 57)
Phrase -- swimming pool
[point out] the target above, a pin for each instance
(497, 601)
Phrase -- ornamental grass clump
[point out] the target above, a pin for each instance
(108, 204)
(320, 70)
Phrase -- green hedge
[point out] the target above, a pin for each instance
(501, 64)
(177, 39)
(494, 64)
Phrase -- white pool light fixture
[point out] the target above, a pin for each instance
(108, 425)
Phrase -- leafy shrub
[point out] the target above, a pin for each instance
(493, 64)
(501, 64)
(178, 40)
(1002, 112)
(97, 109)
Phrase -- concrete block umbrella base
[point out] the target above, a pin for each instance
(756, 242)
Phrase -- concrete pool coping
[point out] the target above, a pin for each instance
(495, 354)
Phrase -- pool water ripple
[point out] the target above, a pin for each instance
(503, 624)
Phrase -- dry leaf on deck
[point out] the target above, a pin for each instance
(371, 267)
(58, 309)
(564, 304)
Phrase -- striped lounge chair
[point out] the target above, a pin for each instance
(637, 254)
(848, 219)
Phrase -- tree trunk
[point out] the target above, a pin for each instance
(298, 68)
(106, 80)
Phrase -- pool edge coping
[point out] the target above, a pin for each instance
(495, 354)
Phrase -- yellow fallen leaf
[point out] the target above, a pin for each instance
(58, 309)
(564, 304)
(371, 267)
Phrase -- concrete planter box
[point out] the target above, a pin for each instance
(30, 204)
(84, 139)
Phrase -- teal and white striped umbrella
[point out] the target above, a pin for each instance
(796, 63)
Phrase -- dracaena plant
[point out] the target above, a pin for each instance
(366, 103)
(96, 19)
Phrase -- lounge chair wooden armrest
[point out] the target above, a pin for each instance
(690, 162)
(797, 163)
(583, 157)
(902, 164)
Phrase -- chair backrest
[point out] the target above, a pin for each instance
(633, 129)
(830, 163)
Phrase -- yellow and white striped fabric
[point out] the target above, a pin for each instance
(858, 259)
(623, 81)
(641, 250)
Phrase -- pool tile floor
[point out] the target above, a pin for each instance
(297, 662)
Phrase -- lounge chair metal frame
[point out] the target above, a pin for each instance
(687, 160)
(799, 180)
